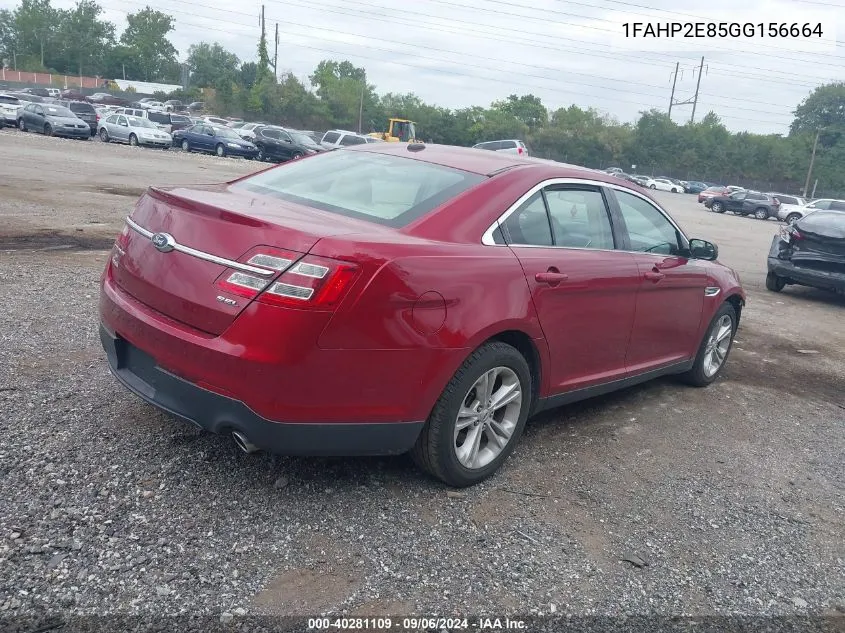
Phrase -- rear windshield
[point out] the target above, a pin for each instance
(12, 100)
(80, 106)
(388, 190)
(830, 223)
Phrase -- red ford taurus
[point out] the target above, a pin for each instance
(391, 298)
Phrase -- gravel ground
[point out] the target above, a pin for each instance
(660, 500)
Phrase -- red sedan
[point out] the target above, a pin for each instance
(392, 297)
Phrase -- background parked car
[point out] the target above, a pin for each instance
(712, 191)
(219, 140)
(794, 213)
(215, 120)
(174, 105)
(509, 146)
(177, 121)
(9, 106)
(133, 130)
(196, 106)
(345, 138)
(28, 97)
(245, 130)
(810, 252)
(84, 111)
(52, 120)
(73, 95)
(760, 205)
(104, 98)
(664, 184)
(39, 92)
(276, 143)
(695, 186)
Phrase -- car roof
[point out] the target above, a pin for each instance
(484, 163)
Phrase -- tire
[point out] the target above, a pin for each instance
(437, 451)
(260, 156)
(700, 375)
(104, 135)
(186, 146)
(774, 282)
(761, 213)
(220, 150)
(48, 129)
(674, 190)
(133, 140)
(296, 156)
(652, 186)
(792, 218)
(717, 207)
(21, 125)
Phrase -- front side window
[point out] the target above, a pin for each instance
(579, 218)
(649, 231)
(389, 190)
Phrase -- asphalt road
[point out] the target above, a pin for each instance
(732, 495)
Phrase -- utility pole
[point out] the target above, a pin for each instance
(812, 160)
(276, 55)
(124, 71)
(815, 184)
(697, 85)
(674, 81)
(361, 105)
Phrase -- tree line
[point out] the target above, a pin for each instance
(338, 94)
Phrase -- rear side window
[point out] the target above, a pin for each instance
(331, 137)
(787, 200)
(508, 145)
(388, 190)
(158, 117)
(837, 205)
(529, 224)
(352, 140)
(579, 218)
(269, 133)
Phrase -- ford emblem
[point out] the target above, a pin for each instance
(163, 242)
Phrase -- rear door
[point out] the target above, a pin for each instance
(121, 130)
(285, 147)
(671, 295)
(583, 289)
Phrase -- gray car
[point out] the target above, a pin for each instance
(52, 120)
(133, 130)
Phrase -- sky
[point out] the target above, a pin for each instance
(459, 53)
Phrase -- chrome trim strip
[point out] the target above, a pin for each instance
(487, 238)
(187, 250)
(712, 291)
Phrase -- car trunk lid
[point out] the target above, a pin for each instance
(215, 228)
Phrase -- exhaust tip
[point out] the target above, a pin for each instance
(243, 443)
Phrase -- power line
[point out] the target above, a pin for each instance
(465, 64)
(509, 31)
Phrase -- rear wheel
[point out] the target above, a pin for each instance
(186, 147)
(774, 282)
(260, 156)
(220, 150)
(717, 207)
(21, 125)
(792, 218)
(761, 213)
(48, 129)
(652, 186)
(104, 135)
(296, 155)
(479, 417)
(133, 140)
(714, 349)
(674, 190)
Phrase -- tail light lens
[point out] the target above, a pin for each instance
(305, 281)
(520, 150)
(312, 282)
(789, 234)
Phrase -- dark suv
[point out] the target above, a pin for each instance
(84, 111)
(760, 205)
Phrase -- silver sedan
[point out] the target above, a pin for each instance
(133, 130)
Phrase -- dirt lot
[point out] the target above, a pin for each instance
(732, 495)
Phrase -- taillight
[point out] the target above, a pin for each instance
(248, 284)
(776, 202)
(519, 150)
(312, 282)
(789, 234)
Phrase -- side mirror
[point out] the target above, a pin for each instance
(702, 249)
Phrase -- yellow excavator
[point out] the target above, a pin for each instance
(398, 131)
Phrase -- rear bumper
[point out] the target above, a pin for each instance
(216, 413)
(801, 275)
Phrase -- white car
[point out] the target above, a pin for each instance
(215, 120)
(662, 184)
(509, 146)
(55, 93)
(344, 138)
(793, 213)
(247, 130)
(134, 130)
(9, 106)
(153, 105)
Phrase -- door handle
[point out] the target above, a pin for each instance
(551, 277)
(654, 275)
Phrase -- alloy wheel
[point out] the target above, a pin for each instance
(718, 345)
(488, 417)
